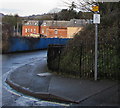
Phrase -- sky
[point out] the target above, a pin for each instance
(31, 7)
(28, 7)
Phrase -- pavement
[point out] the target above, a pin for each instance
(34, 79)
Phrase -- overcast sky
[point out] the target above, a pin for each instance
(28, 7)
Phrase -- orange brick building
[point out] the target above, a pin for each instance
(31, 28)
(44, 28)
(53, 29)
(57, 32)
(47, 28)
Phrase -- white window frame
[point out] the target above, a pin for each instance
(55, 31)
(44, 23)
(43, 31)
(34, 30)
(26, 30)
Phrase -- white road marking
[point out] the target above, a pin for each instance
(44, 74)
(24, 100)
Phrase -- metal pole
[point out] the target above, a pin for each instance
(96, 50)
(17, 28)
(14, 30)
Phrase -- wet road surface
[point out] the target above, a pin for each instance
(9, 96)
(12, 98)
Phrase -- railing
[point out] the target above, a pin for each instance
(79, 60)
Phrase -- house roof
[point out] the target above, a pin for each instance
(32, 22)
(54, 23)
(78, 22)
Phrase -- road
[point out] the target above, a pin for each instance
(11, 97)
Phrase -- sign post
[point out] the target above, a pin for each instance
(96, 51)
(96, 21)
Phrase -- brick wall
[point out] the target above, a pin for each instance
(57, 33)
(30, 29)
(44, 30)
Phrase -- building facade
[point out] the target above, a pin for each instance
(53, 29)
(44, 28)
(31, 28)
(57, 32)
(76, 25)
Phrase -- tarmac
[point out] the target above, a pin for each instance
(34, 79)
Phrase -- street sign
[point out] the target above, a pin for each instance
(95, 8)
(96, 18)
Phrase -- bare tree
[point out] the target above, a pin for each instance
(82, 5)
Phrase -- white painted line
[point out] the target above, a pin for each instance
(44, 74)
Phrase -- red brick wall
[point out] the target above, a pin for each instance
(28, 29)
(44, 30)
(61, 33)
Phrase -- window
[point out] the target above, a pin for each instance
(56, 31)
(36, 23)
(44, 24)
(31, 30)
(34, 30)
(26, 30)
(42, 30)
(47, 30)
